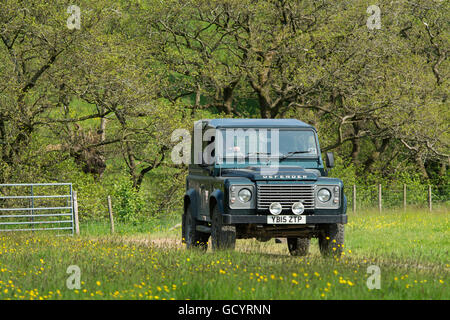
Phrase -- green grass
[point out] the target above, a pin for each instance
(415, 236)
(160, 226)
(410, 248)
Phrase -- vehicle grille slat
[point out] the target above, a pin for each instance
(285, 194)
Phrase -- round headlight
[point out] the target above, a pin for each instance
(245, 195)
(275, 208)
(298, 208)
(324, 195)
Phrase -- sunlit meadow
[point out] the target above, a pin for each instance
(411, 249)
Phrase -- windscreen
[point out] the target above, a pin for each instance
(248, 143)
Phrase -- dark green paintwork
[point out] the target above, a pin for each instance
(206, 186)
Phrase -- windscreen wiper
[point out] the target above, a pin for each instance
(252, 154)
(287, 155)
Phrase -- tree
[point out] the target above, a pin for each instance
(364, 89)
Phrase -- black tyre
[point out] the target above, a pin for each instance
(331, 239)
(223, 237)
(190, 236)
(298, 246)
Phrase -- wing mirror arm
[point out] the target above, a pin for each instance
(329, 159)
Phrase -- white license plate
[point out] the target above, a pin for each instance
(286, 219)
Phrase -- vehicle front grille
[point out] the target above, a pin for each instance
(285, 194)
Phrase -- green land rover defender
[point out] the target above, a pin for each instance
(263, 179)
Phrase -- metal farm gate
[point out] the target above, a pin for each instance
(36, 207)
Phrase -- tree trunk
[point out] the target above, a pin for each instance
(443, 168)
(228, 97)
(356, 148)
(376, 154)
(421, 166)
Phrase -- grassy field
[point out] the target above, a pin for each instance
(410, 248)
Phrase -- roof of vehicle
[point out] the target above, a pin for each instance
(256, 123)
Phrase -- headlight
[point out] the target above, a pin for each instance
(324, 195)
(241, 196)
(275, 208)
(245, 195)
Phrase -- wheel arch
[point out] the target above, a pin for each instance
(189, 199)
(216, 199)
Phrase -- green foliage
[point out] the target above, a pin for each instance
(98, 105)
(392, 187)
(344, 170)
(163, 190)
(128, 204)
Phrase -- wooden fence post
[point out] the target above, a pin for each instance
(429, 198)
(379, 197)
(111, 218)
(354, 198)
(75, 213)
(404, 196)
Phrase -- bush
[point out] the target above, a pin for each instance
(128, 204)
(345, 171)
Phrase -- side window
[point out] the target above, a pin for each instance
(208, 146)
(192, 147)
(211, 142)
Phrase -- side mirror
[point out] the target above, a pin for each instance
(329, 160)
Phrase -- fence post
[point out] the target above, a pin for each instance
(32, 207)
(75, 213)
(111, 218)
(404, 196)
(354, 198)
(379, 197)
(429, 198)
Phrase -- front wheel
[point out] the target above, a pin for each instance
(192, 237)
(331, 239)
(298, 246)
(223, 237)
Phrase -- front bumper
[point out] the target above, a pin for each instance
(262, 219)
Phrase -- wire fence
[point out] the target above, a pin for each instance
(99, 217)
(376, 197)
(397, 196)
